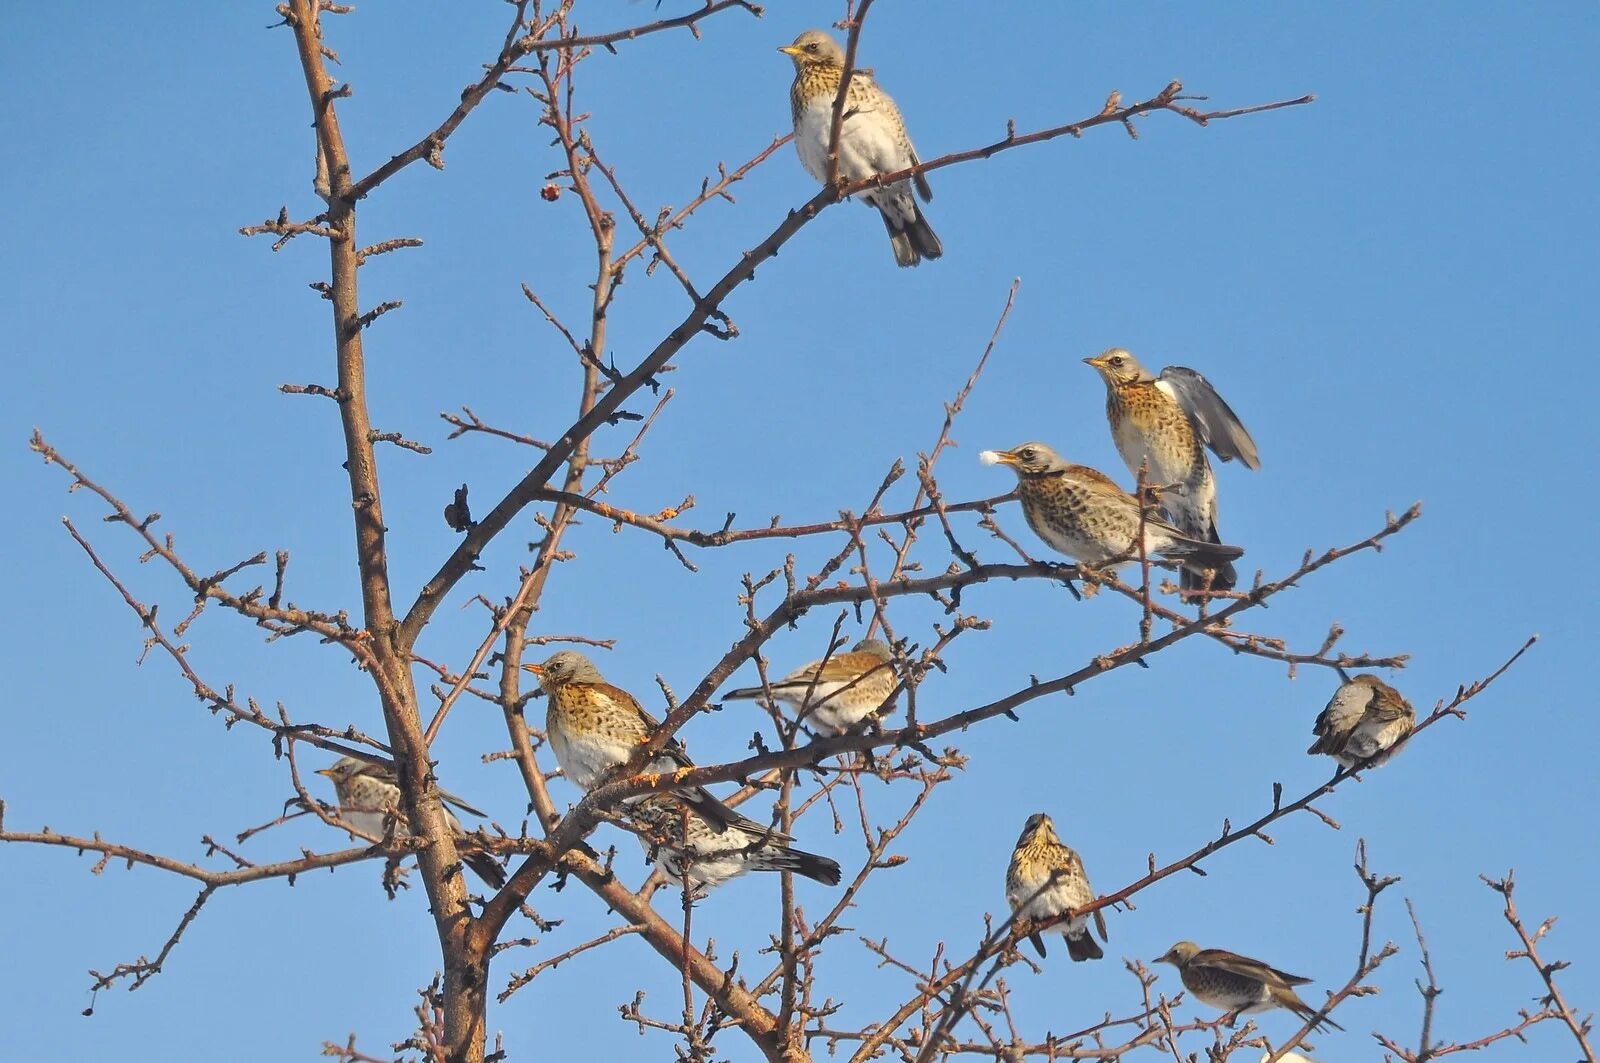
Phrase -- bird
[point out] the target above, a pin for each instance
(872, 141)
(1237, 984)
(1045, 880)
(594, 727)
(837, 692)
(1165, 424)
(676, 837)
(1366, 722)
(1083, 513)
(369, 798)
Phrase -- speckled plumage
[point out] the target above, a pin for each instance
(1237, 984)
(872, 140)
(838, 692)
(1046, 879)
(594, 727)
(369, 799)
(1083, 513)
(1167, 423)
(679, 840)
(1366, 722)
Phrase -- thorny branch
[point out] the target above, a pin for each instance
(450, 1016)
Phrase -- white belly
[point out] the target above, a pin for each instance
(585, 759)
(869, 142)
(1033, 899)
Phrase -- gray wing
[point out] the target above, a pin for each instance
(1218, 426)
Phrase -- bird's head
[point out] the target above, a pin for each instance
(1029, 459)
(814, 48)
(874, 648)
(1039, 828)
(341, 770)
(562, 667)
(1179, 954)
(1117, 366)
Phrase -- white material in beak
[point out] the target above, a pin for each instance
(990, 457)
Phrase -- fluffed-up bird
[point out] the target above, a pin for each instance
(1365, 723)
(1237, 984)
(369, 797)
(1083, 513)
(677, 838)
(838, 692)
(1165, 424)
(1045, 880)
(872, 140)
(594, 727)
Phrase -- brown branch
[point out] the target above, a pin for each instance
(432, 144)
(1547, 971)
(705, 309)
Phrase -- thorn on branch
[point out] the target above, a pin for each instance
(378, 311)
(398, 440)
(313, 389)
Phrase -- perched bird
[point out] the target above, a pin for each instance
(594, 727)
(1046, 879)
(369, 797)
(1365, 724)
(838, 692)
(1237, 984)
(872, 140)
(1085, 515)
(1165, 424)
(677, 838)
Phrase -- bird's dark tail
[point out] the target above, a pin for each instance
(914, 242)
(1291, 1000)
(1197, 556)
(810, 865)
(487, 868)
(1084, 947)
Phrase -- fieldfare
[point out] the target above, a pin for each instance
(369, 798)
(872, 140)
(838, 692)
(1237, 984)
(1165, 424)
(677, 838)
(1046, 880)
(1365, 724)
(594, 727)
(1082, 513)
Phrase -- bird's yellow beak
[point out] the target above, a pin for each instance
(324, 771)
(536, 669)
(789, 49)
(1098, 361)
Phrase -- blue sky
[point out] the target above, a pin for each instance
(1394, 288)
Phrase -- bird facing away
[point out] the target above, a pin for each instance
(677, 838)
(369, 797)
(1166, 424)
(1237, 984)
(1046, 879)
(872, 140)
(1082, 513)
(1365, 723)
(595, 727)
(835, 694)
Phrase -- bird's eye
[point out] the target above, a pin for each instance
(811, 47)
(1027, 454)
(1117, 361)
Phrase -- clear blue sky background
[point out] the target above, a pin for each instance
(1394, 287)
